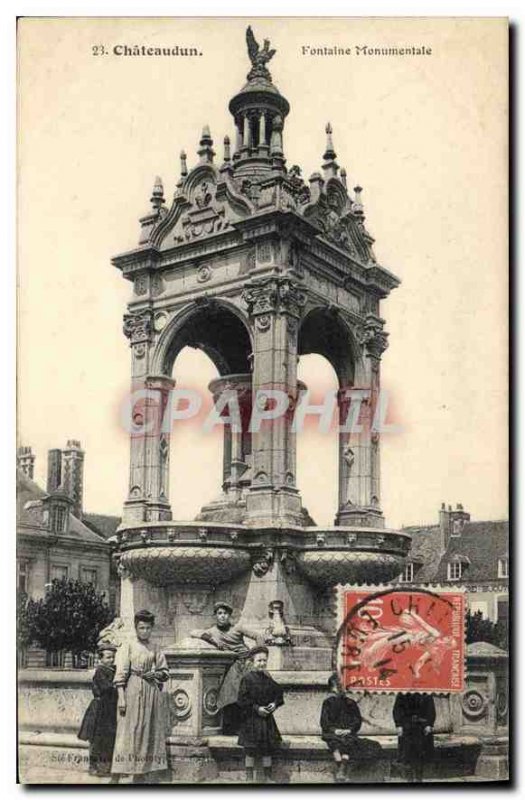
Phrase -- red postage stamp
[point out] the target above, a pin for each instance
(401, 640)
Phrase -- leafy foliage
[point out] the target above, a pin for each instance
(24, 615)
(480, 629)
(69, 617)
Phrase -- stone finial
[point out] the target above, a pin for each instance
(330, 153)
(227, 153)
(358, 202)
(316, 185)
(157, 196)
(183, 164)
(206, 151)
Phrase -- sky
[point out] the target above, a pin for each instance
(424, 136)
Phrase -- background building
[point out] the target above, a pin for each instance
(473, 554)
(55, 539)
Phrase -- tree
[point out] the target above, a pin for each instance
(69, 617)
(24, 620)
(480, 629)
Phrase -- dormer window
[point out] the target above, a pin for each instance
(503, 568)
(454, 571)
(57, 519)
(56, 513)
(456, 567)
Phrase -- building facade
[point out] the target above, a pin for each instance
(53, 540)
(459, 551)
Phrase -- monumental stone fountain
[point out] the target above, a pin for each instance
(256, 267)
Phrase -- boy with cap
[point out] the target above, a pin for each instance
(225, 635)
(100, 720)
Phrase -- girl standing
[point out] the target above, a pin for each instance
(259, 697)
(100, 720)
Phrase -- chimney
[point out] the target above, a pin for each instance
(25, 461)
(54, 470)
(73, 475)
(451, 522)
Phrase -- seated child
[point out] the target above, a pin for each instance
(259, 697)
(340, 722)
(100, 720)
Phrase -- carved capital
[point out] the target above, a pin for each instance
(372, 336)
(261, 297)
(138, 326)
(273, 295)
(292, 297)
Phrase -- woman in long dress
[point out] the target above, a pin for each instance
(142, 723)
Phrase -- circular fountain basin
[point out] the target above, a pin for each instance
(165, 553)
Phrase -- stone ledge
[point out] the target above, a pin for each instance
(51, 676)
(292, 744)
(314, 744)
(51, 739)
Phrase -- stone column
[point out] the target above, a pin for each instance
(237, 444)
(359, 468)
(275, 305)
(263, 146)
(238, 138)
(150, 450)
(247, 136)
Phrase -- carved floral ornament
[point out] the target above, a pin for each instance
(474, 703)
(180, 704)
(274, 295)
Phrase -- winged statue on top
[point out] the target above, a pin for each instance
(258, 57)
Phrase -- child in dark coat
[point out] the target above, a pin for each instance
(100, 720)
(259, 697)
(340, 722)
(414, 717)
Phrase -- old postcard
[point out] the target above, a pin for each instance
(262, 463)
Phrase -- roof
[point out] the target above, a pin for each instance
(479, 547)
(103, 524)
(30, 513)
(483, 543)
(425, 550)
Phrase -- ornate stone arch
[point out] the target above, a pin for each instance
(228, 356)
(328, 332)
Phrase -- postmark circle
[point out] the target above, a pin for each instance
(398, 639)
